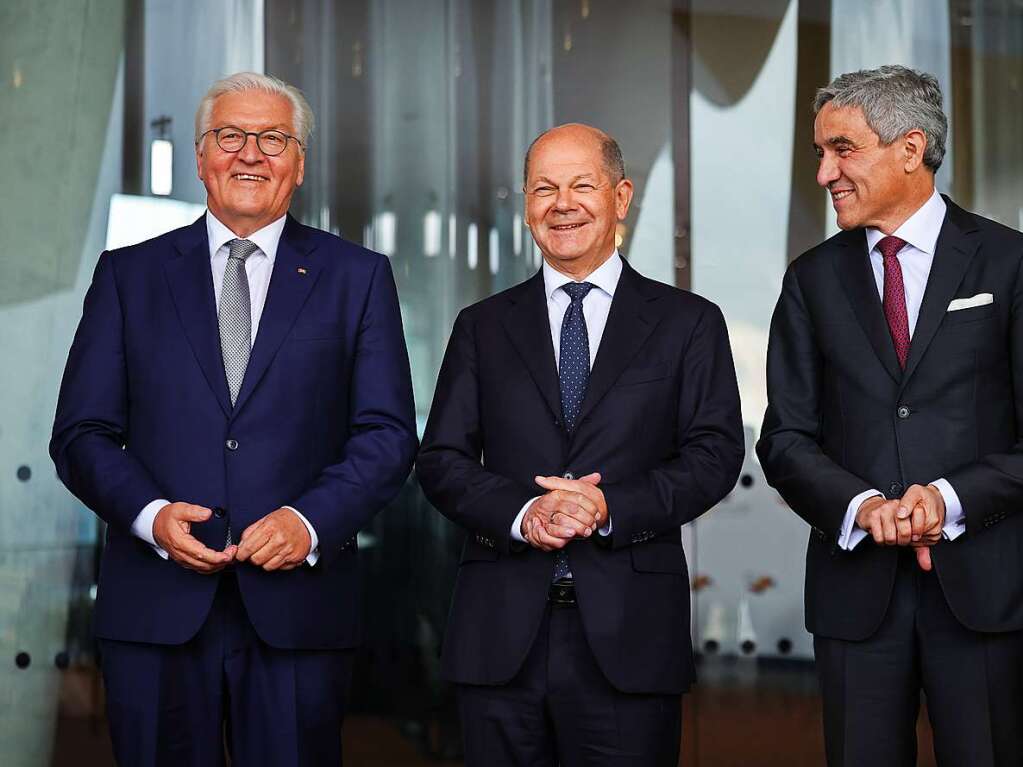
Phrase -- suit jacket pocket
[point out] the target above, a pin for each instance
(973, 314)
(644, 374)
(477, 552)
(313, 331)
(657, 557)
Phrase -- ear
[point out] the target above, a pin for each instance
(623, 198)
(301, 168)
(198, 159)
(914, 146)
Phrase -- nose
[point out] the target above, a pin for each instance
(827, 171)
(565, 201)
(250, 151)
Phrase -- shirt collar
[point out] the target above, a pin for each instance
(266, 239)
(604, 276)
(920, 230)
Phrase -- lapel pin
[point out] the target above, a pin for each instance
(301, 270)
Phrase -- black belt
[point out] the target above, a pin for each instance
(561, 593)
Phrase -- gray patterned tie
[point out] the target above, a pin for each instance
(236, 320)
(236, 315)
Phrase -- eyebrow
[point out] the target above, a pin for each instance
(836, 141)
(582, 176)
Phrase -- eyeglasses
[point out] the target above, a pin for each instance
(232, 139)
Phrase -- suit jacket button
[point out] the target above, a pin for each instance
(894, 490)
(231, 444)
(902, 412)
(568, 475)
(218, 512)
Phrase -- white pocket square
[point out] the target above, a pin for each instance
(981, 299)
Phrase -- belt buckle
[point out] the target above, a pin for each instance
(561, 593)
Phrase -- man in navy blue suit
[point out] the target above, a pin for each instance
(580, 419)
(236, 405)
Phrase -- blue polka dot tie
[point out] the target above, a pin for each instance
(574, 372)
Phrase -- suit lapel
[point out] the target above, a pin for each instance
(629, 323)
(191, 284)
(956, 246)
(285, 297)
(852, 263)
(527, 325)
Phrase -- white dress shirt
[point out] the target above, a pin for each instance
(596, 305)
(258, 268)
(920, 231)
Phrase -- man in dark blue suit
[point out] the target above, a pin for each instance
(236, 405)
(580, 419)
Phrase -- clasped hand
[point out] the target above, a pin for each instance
(278, 541)
(914, 520)
(571, 508)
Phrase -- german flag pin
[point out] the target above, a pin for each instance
(301, 270)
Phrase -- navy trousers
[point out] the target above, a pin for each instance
(182, 704)
(973, 684)
(560, 710)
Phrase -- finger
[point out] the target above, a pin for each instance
(193, 561)
(875, 528)
(591, 479)
(891, 533)
(914, 494)
(270, 548)
(187, 546)
(575, 498)
(251, 540)
(190, 512)
(275, 562)
(585, 518)
(561, 521)
(544, 537)
(531, 536)
(904, 531)
(918, 521)
(923, 558)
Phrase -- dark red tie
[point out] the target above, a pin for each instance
(895, 297)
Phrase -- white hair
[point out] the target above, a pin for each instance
(301, 113)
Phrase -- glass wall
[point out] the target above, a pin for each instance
(424, 110)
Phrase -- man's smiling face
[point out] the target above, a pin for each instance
(246, 190)
(867, 180)
(572, 204)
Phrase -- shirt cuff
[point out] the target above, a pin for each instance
(955, 517)
(142, 527)
(314, 541)
(606, 529)
(516, 528)
(851, 534)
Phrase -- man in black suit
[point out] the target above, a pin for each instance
(580, 419)
(895, 390)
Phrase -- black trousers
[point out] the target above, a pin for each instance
(179, 704)
(561, 710)
(973, 684)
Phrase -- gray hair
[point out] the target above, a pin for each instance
(614, 164)
(301, 113)
(894, 100)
